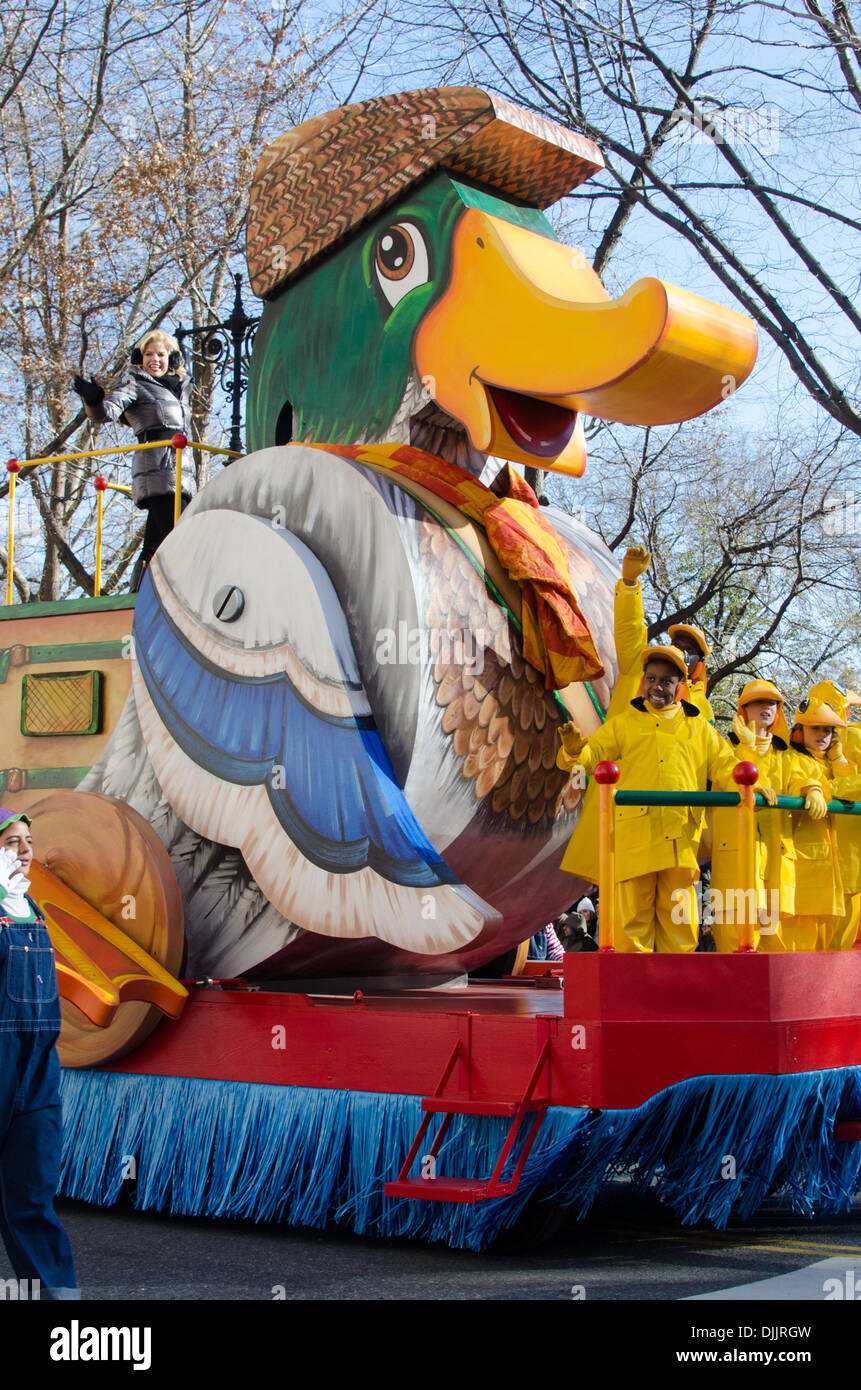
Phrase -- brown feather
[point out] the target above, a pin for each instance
(502, 722)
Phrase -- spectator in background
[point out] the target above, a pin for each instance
(545, 945)
(588, 915)
(572, 931)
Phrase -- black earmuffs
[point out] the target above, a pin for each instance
(173, 361)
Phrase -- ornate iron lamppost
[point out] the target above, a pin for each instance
(227, 347)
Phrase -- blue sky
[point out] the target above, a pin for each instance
(779, 121)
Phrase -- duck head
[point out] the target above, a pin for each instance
(432, 304)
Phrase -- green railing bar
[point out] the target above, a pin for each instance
(19, 611)
(635, 798)
(784, 803)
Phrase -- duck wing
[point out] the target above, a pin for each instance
(261, 735)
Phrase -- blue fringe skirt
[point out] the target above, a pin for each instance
(711, 1147)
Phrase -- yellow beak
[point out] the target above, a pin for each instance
(525, 338)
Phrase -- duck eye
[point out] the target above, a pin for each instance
(400, 260)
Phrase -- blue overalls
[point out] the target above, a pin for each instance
(30, 1116)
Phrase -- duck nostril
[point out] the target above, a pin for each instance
(228, 603)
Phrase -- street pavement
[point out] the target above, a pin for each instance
(629, 1248)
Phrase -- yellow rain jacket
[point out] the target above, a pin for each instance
(778, 769)
(629, 632)
(658, 751)
(849, 827)
(631, 640)
(847, 787)
(818, 884)
(840, 935)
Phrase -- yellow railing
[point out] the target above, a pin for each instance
(178, 442)
(101, 485)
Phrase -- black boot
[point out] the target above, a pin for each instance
(138, 573)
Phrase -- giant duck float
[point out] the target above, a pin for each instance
(319, 784)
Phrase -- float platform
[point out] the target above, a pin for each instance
(617, 1029)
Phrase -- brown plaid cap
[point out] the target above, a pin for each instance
(328, 175)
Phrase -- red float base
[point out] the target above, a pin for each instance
(624, 1028)
(651, 1021)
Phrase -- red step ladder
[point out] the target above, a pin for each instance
(455, 1189)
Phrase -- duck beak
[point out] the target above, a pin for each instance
(525, 339)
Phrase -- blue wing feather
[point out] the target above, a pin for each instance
(341, 806)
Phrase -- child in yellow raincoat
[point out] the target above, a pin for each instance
(819, 903)
(631, 641)
(661, 742)
(692, 643)
(845, 758)
(760, 735)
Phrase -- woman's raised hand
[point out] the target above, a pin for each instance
(89, 391)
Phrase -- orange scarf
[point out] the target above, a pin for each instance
(556, 636)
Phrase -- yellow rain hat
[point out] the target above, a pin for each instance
(812, 713)
(695, 633)
(665, 653)
(675, 658)
(818, 712)
(765, 690)
(837, 696)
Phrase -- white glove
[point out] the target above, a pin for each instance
(13, 885)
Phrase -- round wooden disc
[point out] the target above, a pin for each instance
(110, 856)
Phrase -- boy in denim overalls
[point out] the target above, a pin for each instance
(30, 1116)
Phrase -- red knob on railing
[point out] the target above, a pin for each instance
(607, 773)
(100, 483)
(179, 441)
(13, 466)
(745, 774)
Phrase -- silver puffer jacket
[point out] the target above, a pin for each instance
(147, 405)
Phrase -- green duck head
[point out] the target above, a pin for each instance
(333, 356)
(453, 319)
